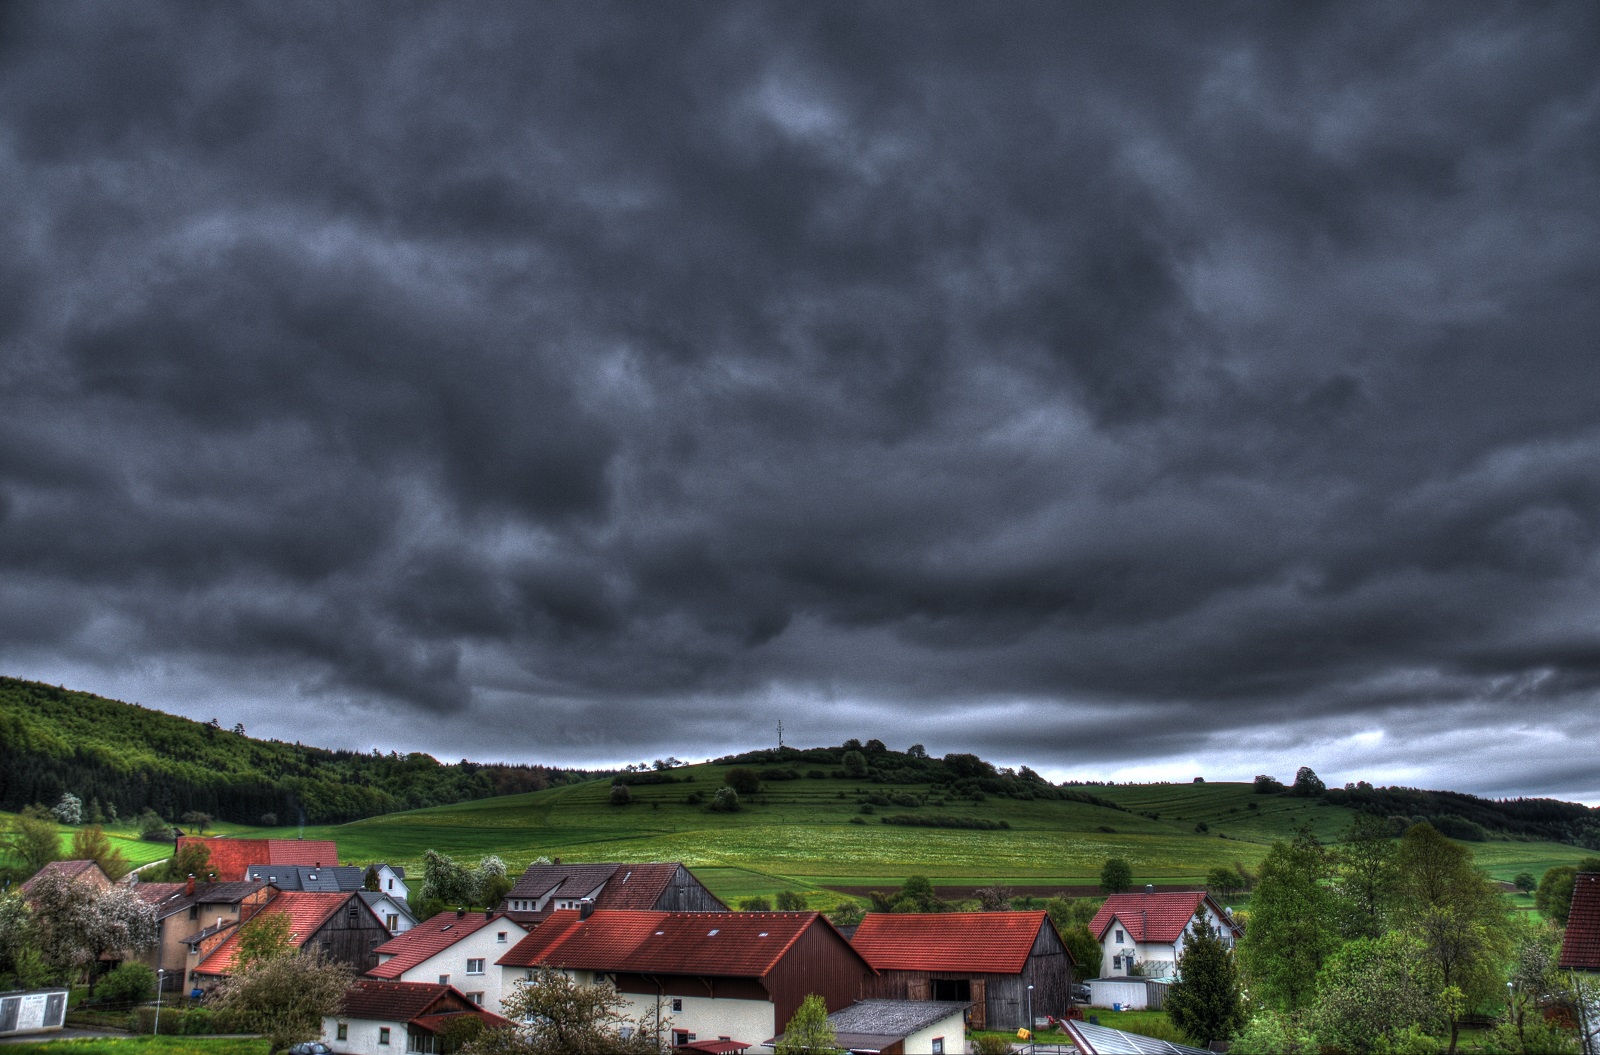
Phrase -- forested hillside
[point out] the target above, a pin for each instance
(127, 758)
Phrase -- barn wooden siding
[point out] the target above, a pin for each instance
(350, 935)
(685, 893)
(819, 961)
(999, 1001)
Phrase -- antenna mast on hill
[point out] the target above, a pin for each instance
(780, 733)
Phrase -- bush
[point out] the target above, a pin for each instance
(941, 820)
(1266, 785)
(726, 800)
(857, 820)
(904, 798)
(620, 795)
(743, 780)
(1201, 827)
(132, 983)
(816, 774)
(990, 1044)
(694, 798)
(154, 829)
(855, 764)
(755, 904)
(791, 901)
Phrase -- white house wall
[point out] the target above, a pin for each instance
(952, 1028)
(708, 1018)
(363, 1036)
(1160, 959)
(480, 945)
(1103, 993)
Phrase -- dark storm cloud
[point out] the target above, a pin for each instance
(1116, 391)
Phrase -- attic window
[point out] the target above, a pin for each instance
(763, 934)
(446, 927)
(712, 933)
(659, 933)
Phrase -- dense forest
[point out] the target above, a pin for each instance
(127, 758)
(1463, 816)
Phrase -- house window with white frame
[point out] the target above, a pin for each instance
(383, 1034)
(474, 966)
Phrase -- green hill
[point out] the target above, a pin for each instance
(803, 834)
(128, 758)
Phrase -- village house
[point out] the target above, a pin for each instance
(658, 886)
(901, 1027)
(187, 913)
(73, 871)
(984, 960)
(1580, 953)
(389, 879)
(309, 877)
(230, 858)
(1149, 929)
(396, 914)
(453, 948)
(338, 925)
(383, 1017)
(734, 977)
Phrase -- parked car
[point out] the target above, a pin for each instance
(1080, 993)
(311, 1047)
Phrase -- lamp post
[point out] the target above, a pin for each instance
(1030, 1018)
(161, 978)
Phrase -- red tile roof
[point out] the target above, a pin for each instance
(385, 1001)
(230, 858)
(306, 911)
(726, 944)
(428, 938)
(982, 942)
(1580, 949)
(637, 887)
(70, 870)
(1158, 917)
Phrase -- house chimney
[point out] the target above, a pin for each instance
(488, 913)
(461, 913)
(585, 908)
(188, 888)
(1149, 888)
(556, 861)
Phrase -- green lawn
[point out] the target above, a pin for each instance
(145, 1046)
(797, 835)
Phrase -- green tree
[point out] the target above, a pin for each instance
(1525, 882)
(808, 1031)
(755, 904)
(1369, 994)
(1457, 917)
(1273, 1033)
(74, 924)
(726, 800)
(69, 810)
(854, 763)
(1116, 876)
(917, 895)
(1292, 925)
(560, 1015)
(791, 901)
(1535, 980)
(1086, 952)
(1222, 881)
(90, 844)
(1206, 1002)
(743, 779)
(1553, 898)
(131, 983)
(620, 795)
(285, 998)
(846, 914)
(265, 937)
(1364, 866)
(33, 839)
(1307, 783)
(446, 880)
(191, 860)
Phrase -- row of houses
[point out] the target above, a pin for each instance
(674, 952)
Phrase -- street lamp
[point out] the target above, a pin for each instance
(161, 978)
(1030, 1018)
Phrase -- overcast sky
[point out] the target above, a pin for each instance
(1130, 391)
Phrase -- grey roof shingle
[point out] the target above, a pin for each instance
(327, 880)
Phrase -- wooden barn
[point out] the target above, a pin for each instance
(659, 886)
(984, 959)
(338, 925)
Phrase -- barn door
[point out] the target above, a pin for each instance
(980, 1004)
(917, 989)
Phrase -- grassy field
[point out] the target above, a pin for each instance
(145, 1046)
(799, 835)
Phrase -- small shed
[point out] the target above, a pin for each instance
(901, 1027)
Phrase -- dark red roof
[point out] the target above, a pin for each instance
(982, 942)
(637, 887)
(70, 870)
(726, 944)
(1157, 917)
(231, 858)
(386, 1001)
(716, 1047)
(434, 1023)
(428, 938)
(1580, 949)
(307, 912)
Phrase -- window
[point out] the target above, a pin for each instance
(444, 979)
(957, 989)
(677, 1003)
(680, 1037)
(194, 911)
(391, 884)
(476, 998)
(383, 1034)
(392, 921)
(500, 937)
(938, 1046)
(474, 966)
(1120, 938)
(344, 1031)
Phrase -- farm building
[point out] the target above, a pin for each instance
(984, 959)
(655, 886)
(378, 1017)
(456, 948)
(1149, 929)
(231, 858)
(1580, 950)
(73, 871)
(901, 1027)
(735, 977)
(189, 911)
(339, 925)
(308, 877)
